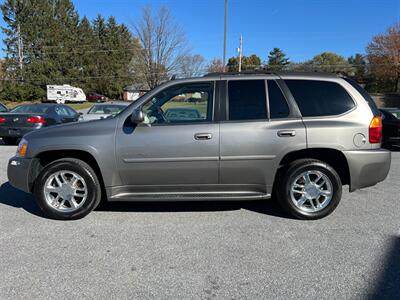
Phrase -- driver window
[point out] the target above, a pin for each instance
(181, 103)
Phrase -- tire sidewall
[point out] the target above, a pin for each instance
(294, 172)
(92, 184)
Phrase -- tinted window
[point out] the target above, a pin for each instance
(64, 111)
(71, 111)
(320, 98)
(3, 108)
(247, 100)
(365, 95)
(278, 106)
(182, 103)
(30, 108)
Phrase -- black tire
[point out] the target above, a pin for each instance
(292, 172)
(10, 140)
(82, 169)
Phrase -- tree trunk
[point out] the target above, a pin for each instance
(397, 81)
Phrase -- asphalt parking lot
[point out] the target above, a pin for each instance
(229, 250)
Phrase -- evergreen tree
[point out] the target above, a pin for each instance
(277, 60)
(61, 48)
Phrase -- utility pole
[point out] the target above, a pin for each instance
(240, 50)
(225, 29)
(20, 48)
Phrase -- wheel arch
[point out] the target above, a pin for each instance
(335, 158)
(44, 158)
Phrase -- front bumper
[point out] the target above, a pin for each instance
(19, 174)
(367, 167)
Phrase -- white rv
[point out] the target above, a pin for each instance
(65, 93)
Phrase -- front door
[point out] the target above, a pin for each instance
(176, 148)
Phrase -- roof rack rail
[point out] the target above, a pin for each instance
(256, 72)
(278, 73)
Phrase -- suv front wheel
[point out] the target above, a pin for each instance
(67, 189)
(310, 189)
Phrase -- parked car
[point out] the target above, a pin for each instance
(95, 97)
(31, 117)
(3, 108)
(299, 137)
(391, 126)
(103, 110)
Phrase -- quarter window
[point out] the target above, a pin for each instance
(278, 106)
(182, 103)
(320, 98)
(247, 100)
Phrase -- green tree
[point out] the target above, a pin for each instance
(46, 42)
(329, 62)
(277, 60)
(359, 66)
(249, 63)
(14, 13)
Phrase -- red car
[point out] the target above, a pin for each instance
(95, 97)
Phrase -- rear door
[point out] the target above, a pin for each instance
(256, 133)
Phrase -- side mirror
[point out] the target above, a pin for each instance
(80, 113)
(137, 116)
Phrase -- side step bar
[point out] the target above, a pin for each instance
(189, 196)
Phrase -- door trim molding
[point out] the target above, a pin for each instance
(170, 159)
(248, 157)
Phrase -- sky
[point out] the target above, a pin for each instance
(301, 28)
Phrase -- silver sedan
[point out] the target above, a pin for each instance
(103, 110)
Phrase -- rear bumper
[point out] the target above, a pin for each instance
(18, 172)
(367, 167)
(16, 132)
(393, 140)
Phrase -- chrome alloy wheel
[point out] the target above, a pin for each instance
(65, 191)
(311, 191)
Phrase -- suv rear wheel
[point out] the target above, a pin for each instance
(67, 189)
(310, 189)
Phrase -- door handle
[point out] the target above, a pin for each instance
(203, 136)
(286, 133)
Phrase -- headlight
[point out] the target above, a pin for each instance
(22, 148)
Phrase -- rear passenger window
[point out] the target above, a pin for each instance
(247, 100)
(278, 106)
(320, 98)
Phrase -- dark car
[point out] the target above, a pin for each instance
(28, 117)
(3, 108)
(95, 97)
(391, 126)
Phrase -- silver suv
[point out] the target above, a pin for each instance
(294, 137)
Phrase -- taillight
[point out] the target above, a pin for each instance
(36, 120)
(375, 130)
(2, 120)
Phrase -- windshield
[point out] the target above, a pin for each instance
(111, 109)
(30, 108)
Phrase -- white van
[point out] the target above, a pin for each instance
(65, 93)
